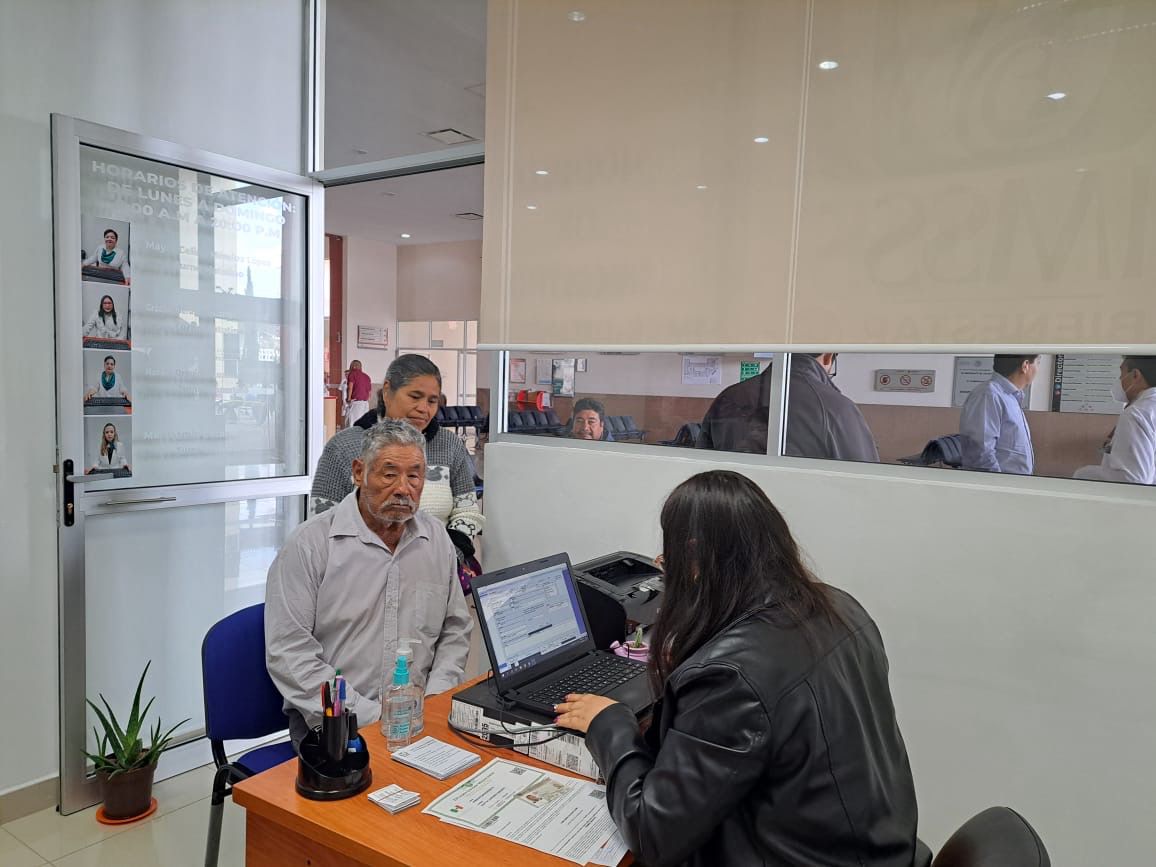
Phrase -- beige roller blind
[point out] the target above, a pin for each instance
(969, 173)
(660, 220)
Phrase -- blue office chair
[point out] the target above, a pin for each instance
(241, 702)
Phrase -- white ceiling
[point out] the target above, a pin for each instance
(395, 69)
(421, 205)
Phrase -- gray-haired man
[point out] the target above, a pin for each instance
(352, 582)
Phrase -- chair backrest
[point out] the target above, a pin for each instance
(540, 419)
(629, 424)
(452, 415)
(943, 450)
(240, 699)
(552, 418)
(616, 424)
(440, 415)
(517, 422)
(476, 413)
(997, 837)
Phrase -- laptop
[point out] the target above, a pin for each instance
(540, 644)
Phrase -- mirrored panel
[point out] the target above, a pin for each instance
(719, 402)
(1066, 416)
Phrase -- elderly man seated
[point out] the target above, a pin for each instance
(354, 581)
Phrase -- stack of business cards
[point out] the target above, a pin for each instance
(394, 798)
(436, 758)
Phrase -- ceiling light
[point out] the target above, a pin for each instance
(577, 16)
(762, 139)
(468, 215)
(828, 64)
(531, 207)
(405, 234)
(360, 151)
(1057, 96)
(701, 187)
(389, 193)
(541, 172)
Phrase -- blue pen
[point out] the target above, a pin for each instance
(341, 691)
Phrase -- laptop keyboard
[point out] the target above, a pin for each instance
(106, 401)
(606, 672)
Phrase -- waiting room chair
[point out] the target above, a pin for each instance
(630, 429)
(241, 703)
(617, 426)
(556, 426)
(516, 423)
(945, 451)
(686, 436)
(997, 837)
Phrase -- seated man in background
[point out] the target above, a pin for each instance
(589, 421)
(1130, 455)
(822, 422)
(352, 582)
(993, 426)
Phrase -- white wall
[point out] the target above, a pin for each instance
(856, 378)
(650, 373)
(437, 282)
(217, 75)
(1018, 624)
(370, 299)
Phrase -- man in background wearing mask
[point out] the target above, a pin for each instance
(993, 426)
(1131, 453)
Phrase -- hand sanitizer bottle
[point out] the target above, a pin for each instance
(402, 717)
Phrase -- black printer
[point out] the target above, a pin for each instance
(620, 592)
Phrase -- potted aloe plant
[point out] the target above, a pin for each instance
(123, 762)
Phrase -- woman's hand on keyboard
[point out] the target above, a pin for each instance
(578, 711)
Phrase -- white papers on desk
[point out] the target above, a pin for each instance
(436, 758)
(552, 813)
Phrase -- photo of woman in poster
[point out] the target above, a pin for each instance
(107, 260)
(110, 454)
(106, 387)
(105, 323)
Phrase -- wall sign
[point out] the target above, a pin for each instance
(372, 337)
(1083, 383)
(916, 381)
(748, 370)
(701, 370)
(562, 377)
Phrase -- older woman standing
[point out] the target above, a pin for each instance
(412, 387)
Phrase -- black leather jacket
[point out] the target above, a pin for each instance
(767, 749)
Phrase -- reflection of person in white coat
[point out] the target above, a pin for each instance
(110, 384)
(105, 322)
(108, 256)
(1130, 455)
(111, 455)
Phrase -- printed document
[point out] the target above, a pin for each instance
(548, 812)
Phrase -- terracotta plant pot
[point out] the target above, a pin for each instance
(129, 794)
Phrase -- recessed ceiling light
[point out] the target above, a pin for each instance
(389, 194)
(577, 16)
(1057, 96)
(541, 172)
(450, 136)
(701, 187)
(360, 151)
(531, 207)
(1080, 171)
(762, 139)
(405, 234)
(828, 64)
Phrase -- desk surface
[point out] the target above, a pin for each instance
(360, 830)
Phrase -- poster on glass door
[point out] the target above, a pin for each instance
(192, 324)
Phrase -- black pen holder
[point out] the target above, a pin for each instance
(333, 761)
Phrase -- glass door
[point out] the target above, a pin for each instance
(189, 394)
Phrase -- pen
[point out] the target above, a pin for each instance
(341, 692)
(326, 703)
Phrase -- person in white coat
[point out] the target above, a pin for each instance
(109, 256)
(110, 384)
(105, 322)
(111, 455)
(1130, 455)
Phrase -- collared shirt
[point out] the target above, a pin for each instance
(336, 597)
(1131, 457)
(360, 385)
(994, 429)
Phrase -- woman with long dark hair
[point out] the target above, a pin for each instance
(105, 323)
(774, 740)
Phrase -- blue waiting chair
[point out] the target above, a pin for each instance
(232, 668)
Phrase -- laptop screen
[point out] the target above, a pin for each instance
(530, 617)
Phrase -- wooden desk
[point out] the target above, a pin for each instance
(282, 829)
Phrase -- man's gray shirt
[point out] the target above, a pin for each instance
(337, 598)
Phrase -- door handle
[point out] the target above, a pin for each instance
(139, 502)
(87, 477)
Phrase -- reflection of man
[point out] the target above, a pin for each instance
(1131, 453)
(589, 421)
(110, 384)
(993, 426)
(352, 582)
(357, 388)
(822, 422)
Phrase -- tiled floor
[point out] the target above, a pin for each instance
(174, 836)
